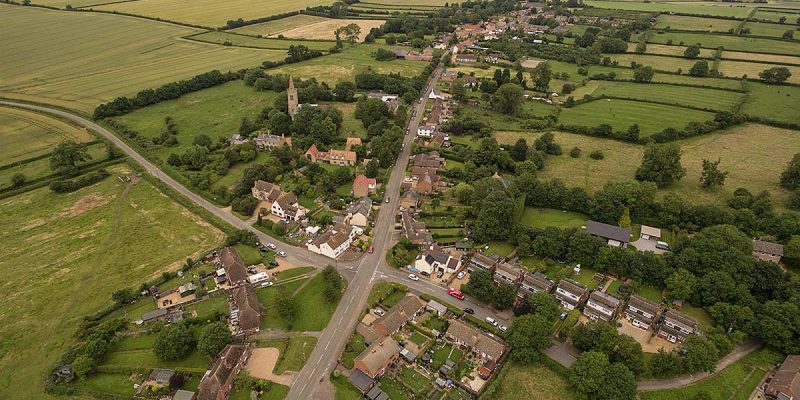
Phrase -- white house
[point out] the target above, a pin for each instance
(570, 293)
(335, 241)
(601, 306)
(287, 208)
(432, 260)
(641, 312)
(435, 94)
(425, 131)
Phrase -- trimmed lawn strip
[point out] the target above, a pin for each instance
(544, 217)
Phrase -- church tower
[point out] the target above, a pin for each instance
(292, 94)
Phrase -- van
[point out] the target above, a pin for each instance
(661, 245)
(491, 321)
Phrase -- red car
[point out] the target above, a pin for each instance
(371, 249)
(455, 293)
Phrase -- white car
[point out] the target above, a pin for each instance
(281, 254)
(379, 311)
(266, 284)
(272, 246)
(461, 275)
(413, 277)
(503, 328)
(491, 321)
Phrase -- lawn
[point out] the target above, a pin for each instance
(650, 293)
(621, 114)
(723, 100)
(82, 255)
(78, 60)
(279, 25)
(418, 338)
(394, 390)
(729, 42)
(414, 379)
(435, 323)
(736, 381)
(209, 13)
(586, 277)
(221, 37)
(108, 384)
(699, 314)
(446, 352)
(387, 294)
(25, 134)
(354, 347)
(146, 358)
(41, 168)
(544, 217)
(344, 390)
(313, 310)
(296, 354)
(207, 308)
(502, 249)
(137, 342)
(351, 127)
(519, 381)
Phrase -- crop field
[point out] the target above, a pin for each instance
(621, 114)
(209, 13)
(408, 3)
(777, 102)
(83, 254)
(755, 156)
(660, 63)
(279, 25)
(776, 14)
(767, 58)
(25, 134)
(687, 8)
(766, 29)
(669, 50)
(695, 23)
(220, 37)
(679, 95)
(740, 68)
(729, 42)
(324, 30)
(347, 64)
(78, 60)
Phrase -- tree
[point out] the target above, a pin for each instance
(333, 284)
(664, 363)
(504, 297)
(344, 90)
(681, 284)
(481, 285)
(350, 32)
(82, 365)
(463, 192)
(96, 349)
(661, 164)
(775, 75)
(519, 152)
(692, 51)
(195, 157)
(202, 140)
(643, 74)
(711, 175)
(286, 305)
(458, 90)
(625, 218)
(595, 336)
(18, 179)
(641, 48)
(544, 305)
(508, 98)
(371, 170)
(174, 343)
(629, 353)
(699, 354)
(788, 34)
(66, 156)
(541, 76)
(790, 178)
(123, 296)
(620, 384)
(699, 68)
(495, 218)
(213, 338)
(588, 374)
(527, 336)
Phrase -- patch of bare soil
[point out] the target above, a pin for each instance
(86, 203)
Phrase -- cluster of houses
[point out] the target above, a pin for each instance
(429, 133)
(281, 204)
(424, 178)
(341, 158)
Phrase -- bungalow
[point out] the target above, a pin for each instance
(342, 158)
(358, 211)
(269, 142)
(507, 274)
(676, 327)
(767, 251)
(287, 208)
(601, 306)
(160, 314)
(785, 384)
(404, 311)
(570, 293)
(433, 260)
(333, 243)
(217, 382)
(481, 261)
(641, 312)
(466, 58)
(187, 289)
(248, 309)
(536, 282)
(363, 186)
(234, 266)
(614, 235)
(475, 340)
(650, 233)
(425, 130)
(374, 361)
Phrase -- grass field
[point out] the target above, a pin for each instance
(347, 64)
(113, 384)
(77, 60)
(660, 63)
(777, 102)
(723, 100)
(740, 68)
(767, 58)
(695, 23)
(296, 353)
(41, 168)
(209, 13)
(279, 25)
(767, 29)
(670, 50)
(519, 381)
(25, 134)
(687, 8)
(324, 30)
(729, 42)
(82, 255)
(544, 217)
(221, 37)
(755, 156)
(621, 114)
(775, 15)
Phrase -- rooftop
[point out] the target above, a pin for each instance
(609, 231)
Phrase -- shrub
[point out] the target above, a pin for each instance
(597, 155)
(575, 152)
(67, 186)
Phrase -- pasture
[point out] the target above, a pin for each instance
(723, 100)
(621, 114)
(209, 13)
(78, 60)
(767, 58)
(221, 37)
(41, 168)
(729, 42)
(666, 21)
(755, 156)
(767, 29)
(279, 25)
(776, 102)
(751, 69)
(660, 63)
(82, 254)
(775, 15)
(324, 30)
(699, 8)
(25, 134)
(544, 217)
(668, 50)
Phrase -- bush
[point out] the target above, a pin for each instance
(18, 180)
(575, 152)
(67, 186)
(597, 155)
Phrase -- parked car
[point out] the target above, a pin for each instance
(371, 249)
(413, 277)
(469, 310)
(273, 263)
(281, 254)
(455, 293)
(439, 274)
(662, 245)
(491, 321)
(266, 284)
(503, 328)
(378, 311)
(387, 199)
(461, 275)
(272, 246)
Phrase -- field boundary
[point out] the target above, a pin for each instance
(192, 37)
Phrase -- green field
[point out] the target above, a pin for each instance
(767, 29)
(26, 134)
(755, 156)
(209, 13)
(670, 50)
(83, 254)
(41, 168)
(220, 37)
(78, 60)
(741, 68)
(113, 384)
(659, 63)
(518, 381)
(621, 114)
(279, 25)
(729, 42)
(767, 58)
(295, 353)
(776, 102)
(545, 217)
(313, 310)
(723, 100)
(709, 8)
(666, 21)
(776, 14)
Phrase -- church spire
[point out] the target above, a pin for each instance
(292, 102)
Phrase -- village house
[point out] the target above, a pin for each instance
(248, 309)
(536, 282)
(437, 94)
(449, 76)
(334, 242)
(433, 260)
(601, 306)
(342, 158)
(270, 142)
(507, 274)
(429, 160)
(614, 235)
(785, 384)
(425, 131)
(266, 191)
(767, 251)
(376, 358)
(481, 262)
(287, 208)
(570, 293)
(217, 382)
(466, 58)
(236, 139)
(676, 326)
(475, 340)
(650, 233)
(358, 212)
(363, 186)
(235, 269)
(470, 81)
(641, 312)
(428, 183)
(414, 230)
(404, 311)
(409, 200)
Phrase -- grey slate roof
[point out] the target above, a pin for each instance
(609, 231)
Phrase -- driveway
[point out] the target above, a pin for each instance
(647, 245)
